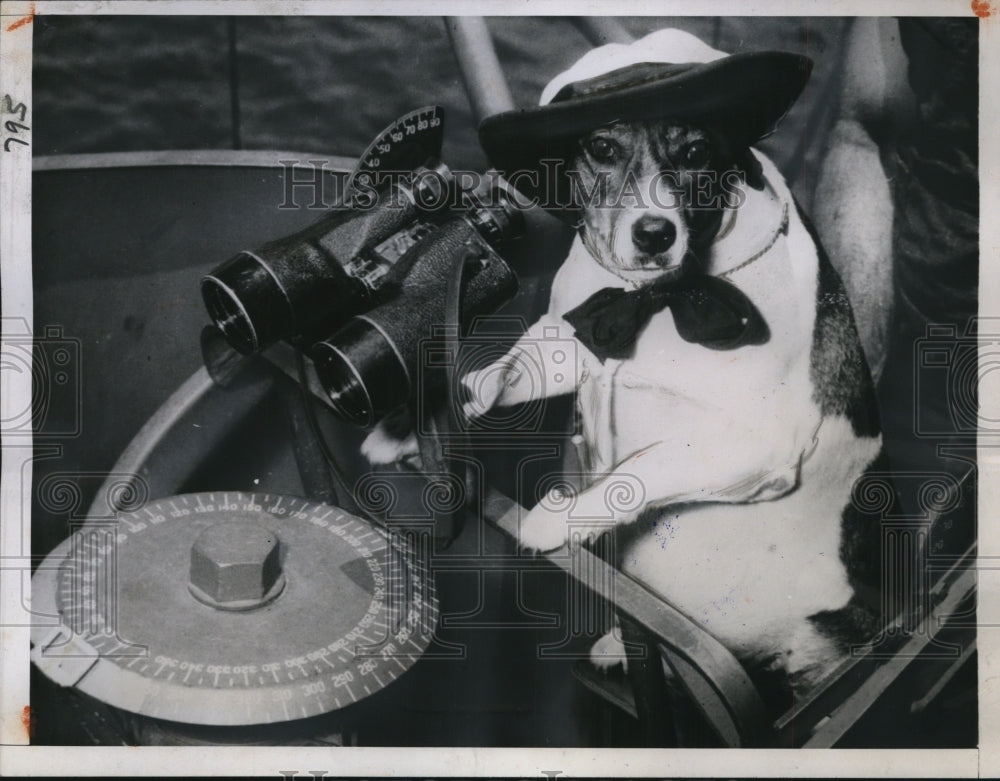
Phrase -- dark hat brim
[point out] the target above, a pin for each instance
(744, 95)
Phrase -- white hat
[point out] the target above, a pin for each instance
(667, 46)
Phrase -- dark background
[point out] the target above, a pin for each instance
(329, 84)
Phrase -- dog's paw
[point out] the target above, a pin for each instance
(607, 652)
(482, 391)
(548, 525)
(385, 446)
(542, 530)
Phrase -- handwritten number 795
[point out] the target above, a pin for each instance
(14, 127)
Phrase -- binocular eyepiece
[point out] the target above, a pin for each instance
(360, 289)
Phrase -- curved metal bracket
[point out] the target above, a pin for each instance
(711, 674)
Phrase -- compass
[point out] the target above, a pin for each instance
(231, 608)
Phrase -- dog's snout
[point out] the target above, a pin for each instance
(653, 235)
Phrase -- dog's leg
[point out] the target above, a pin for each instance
(391, 440)
(653, 477)
(543, 363)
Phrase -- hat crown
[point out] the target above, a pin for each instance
(670, 46)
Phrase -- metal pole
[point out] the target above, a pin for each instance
(477, 60)
(600, 30)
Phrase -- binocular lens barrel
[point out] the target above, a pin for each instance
(362, 372)
(305, 285)
(376, 277)
(247, 319)
(370, 366)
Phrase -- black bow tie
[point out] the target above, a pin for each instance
(707, 311)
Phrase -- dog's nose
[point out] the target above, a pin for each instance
(653, 235)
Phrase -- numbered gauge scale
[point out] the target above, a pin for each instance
(232, 609)
(405, 143)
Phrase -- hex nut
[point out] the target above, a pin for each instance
(236, 565)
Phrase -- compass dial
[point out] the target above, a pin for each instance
(232, 608)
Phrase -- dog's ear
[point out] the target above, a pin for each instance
(750, 167)
(737, 155)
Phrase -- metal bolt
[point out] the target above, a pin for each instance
(235, 565)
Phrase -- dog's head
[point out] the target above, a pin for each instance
(652, 194)
(653, 134)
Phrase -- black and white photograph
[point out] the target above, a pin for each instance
(387, 385)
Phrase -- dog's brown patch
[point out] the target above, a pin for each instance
(842, 382)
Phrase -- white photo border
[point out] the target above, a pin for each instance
(17, 758)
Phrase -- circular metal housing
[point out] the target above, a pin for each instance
(232, 608)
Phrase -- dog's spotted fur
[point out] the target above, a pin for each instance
(842, 380)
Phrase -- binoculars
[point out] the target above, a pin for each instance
(362, 288)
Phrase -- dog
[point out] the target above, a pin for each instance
(747, 457)
(745, 441)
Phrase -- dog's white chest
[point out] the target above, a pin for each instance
(753, 572)
(626, 405)
(705, 400)
(756, 397)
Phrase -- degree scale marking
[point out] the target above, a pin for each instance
(399, 133)
(324, 684)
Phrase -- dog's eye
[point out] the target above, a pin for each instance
(696, 154)
(603, 150)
